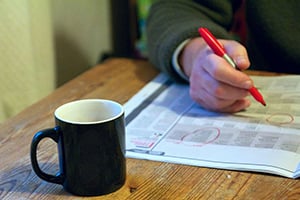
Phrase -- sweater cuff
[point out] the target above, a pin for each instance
(175, 62)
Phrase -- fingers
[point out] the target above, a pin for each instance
(218, 86)
(223, 72)
(237, 52)
(202, 80)
(236, 106)
(211, 102)
(215, 95)
(214, 83)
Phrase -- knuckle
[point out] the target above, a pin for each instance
(218, 92)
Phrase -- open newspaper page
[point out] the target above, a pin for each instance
(164, 124)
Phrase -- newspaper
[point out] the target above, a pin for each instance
(164, 124)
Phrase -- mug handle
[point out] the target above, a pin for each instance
(52, 133)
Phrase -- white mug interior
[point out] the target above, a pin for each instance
(89, 111)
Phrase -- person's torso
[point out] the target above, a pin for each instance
(274, 34)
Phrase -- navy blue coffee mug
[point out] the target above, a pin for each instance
(90, 135)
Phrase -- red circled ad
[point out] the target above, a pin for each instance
(192, 139)
(280, 119)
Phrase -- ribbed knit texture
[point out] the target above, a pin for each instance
(274, 25)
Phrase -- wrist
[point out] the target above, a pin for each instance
(190, 53)
(176, 60)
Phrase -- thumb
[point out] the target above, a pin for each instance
(242, 62)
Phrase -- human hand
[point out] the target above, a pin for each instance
(214, 83)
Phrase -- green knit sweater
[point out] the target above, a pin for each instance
(273, 30)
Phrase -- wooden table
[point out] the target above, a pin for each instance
(119, 79)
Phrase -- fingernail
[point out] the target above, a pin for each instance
(247, 84)
(240, 60)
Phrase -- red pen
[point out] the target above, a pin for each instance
(219, 50)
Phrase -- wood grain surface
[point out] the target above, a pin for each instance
(120, 79)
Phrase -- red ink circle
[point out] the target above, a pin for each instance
(213, 132)
(285, 118)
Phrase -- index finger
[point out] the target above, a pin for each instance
(238, 53)
(222, 71)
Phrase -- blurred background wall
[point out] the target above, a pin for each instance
(44, 43)
(82, 33)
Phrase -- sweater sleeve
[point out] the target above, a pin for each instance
(171, 22)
